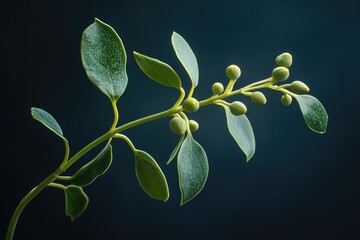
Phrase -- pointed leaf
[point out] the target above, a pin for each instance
(47, 120)
(95, 168)
(76, 201)
(158, 71)
(176, 149)
(104, 59)
(193, 169)
(186, 56)
(313, 112)
(242, 132)
(150, 176)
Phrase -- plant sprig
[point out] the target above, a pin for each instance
(104, 59)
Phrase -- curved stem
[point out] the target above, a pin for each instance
(116, 114)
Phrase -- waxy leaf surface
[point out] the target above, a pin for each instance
(313, 112)
(186, 56)
(95, 168)
(47, 120)
(158, 71)
(76, 201)
(150, 176)
(193, 169)
(104, 59)
(242, 132)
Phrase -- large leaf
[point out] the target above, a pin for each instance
(150, 176)
(104, 59)
(158, 71)
(242, 132)
(186, 56)
(47, 120)
(95, 168)
(313, 112)
(193, 169)
(76, 201)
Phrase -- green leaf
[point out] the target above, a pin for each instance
(193, 169)
(176, 149)
(313, 112)
(242, 132)
(150, 176)
(95, 168)
(76, 201)
(47, 120)
(158, 71)
(186, 56)
(104, 59)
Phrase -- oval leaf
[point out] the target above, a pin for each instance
(242, 132)
(150, 176)
(104, 59)
(47, 120)
(186, 56)
(313, 112)
(193, 169)
(95, 168)
(158, 71)
(76, 201)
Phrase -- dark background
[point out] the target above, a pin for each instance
(299, 185)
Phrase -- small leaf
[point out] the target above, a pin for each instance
(76, 201)
(95, 168)
(47, 120)
(186, 56)
(104, 59)
(176, 149)
(158, 71)
(150, 176)
(313, 112)
(193, 169)
(242, 132)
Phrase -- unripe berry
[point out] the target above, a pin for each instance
(217, 88)
(258, 98)
(191, 105)
(284, 60)
(280, 74)
(233, 72)
(194, 126)
(299, 87)
(286, 99)
(237, 108)
(178, 125)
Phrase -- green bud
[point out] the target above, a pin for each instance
(258, 98)
(217, 88)
(284, 60)
(299, 87)
(194, 126)
(178, 125)
(191, 105)
(237, 108)
(280, 74)
(286, 99)
(233, 72)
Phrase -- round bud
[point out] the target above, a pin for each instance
(194, 126)
(233, 72)
(299, 87)
(178, 125)
(286, 99)
(191, 105)
(217, 88)
(284, 60)
(237, 108)
(280, 74)
(258, 98)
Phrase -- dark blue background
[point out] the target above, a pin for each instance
(299, 185)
